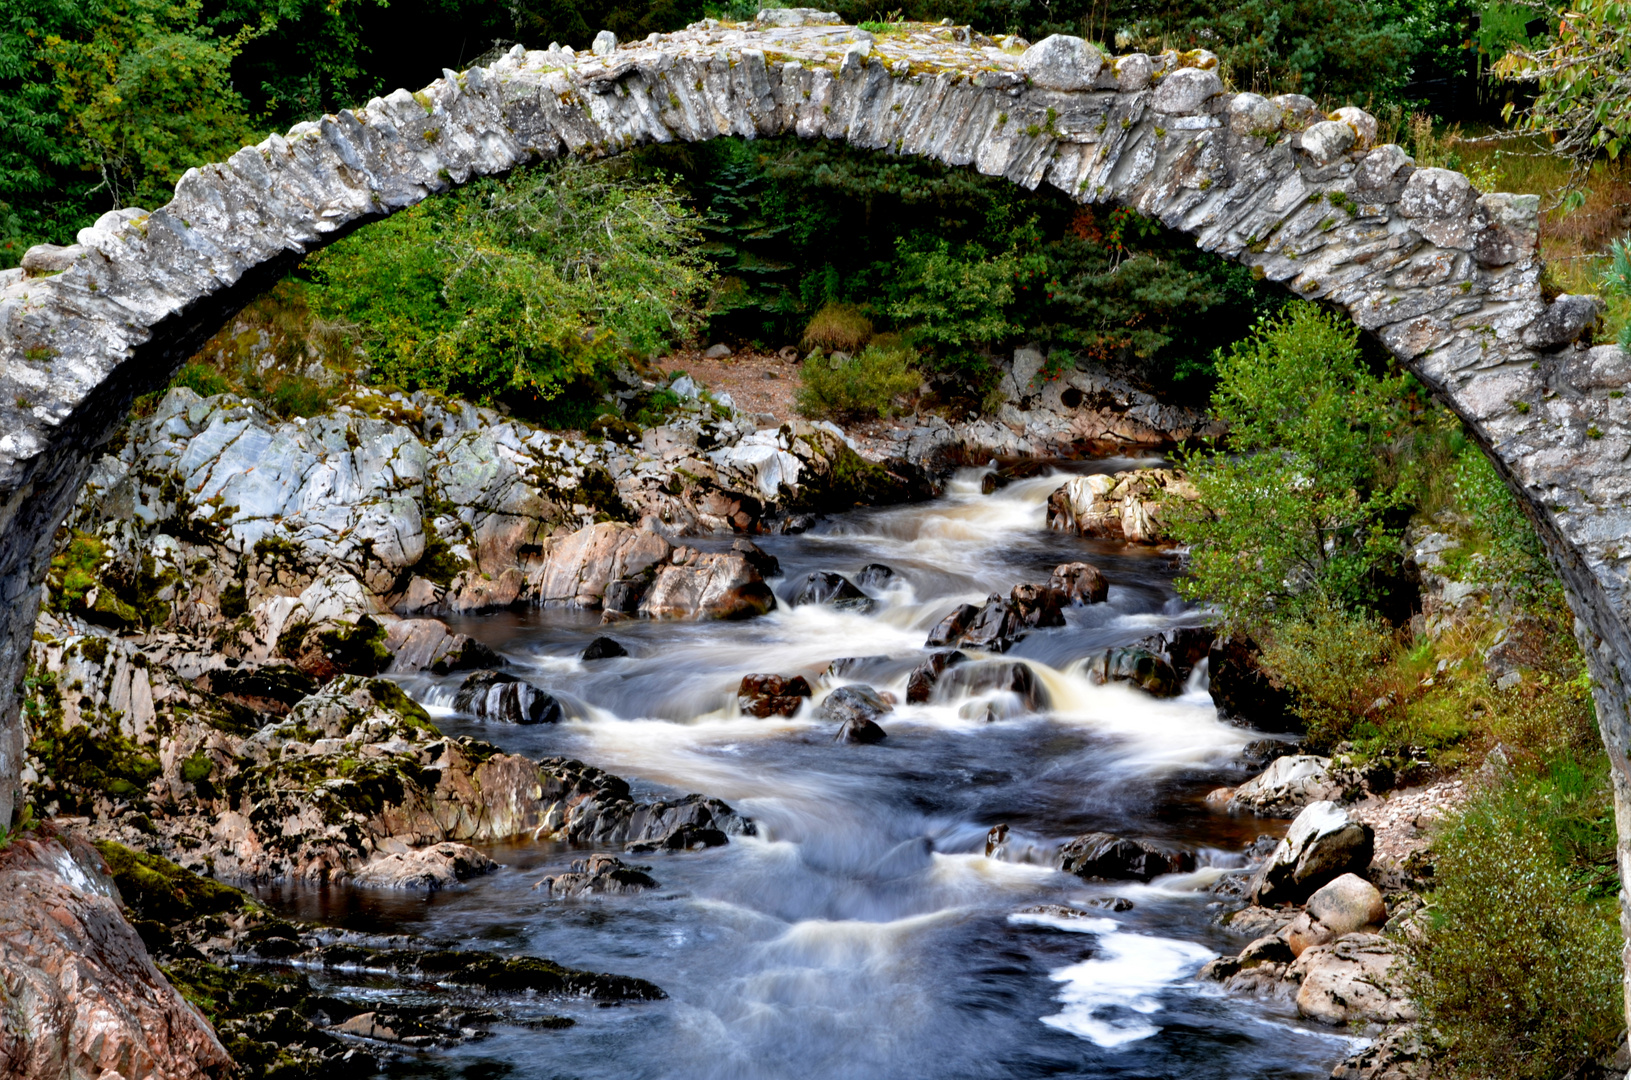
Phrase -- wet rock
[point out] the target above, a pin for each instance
(439, 866)
(772, 695)
(83, 997)
(1184, 647)
(428, 645)
(605, 874)
(985, 676)
(579, 566)
(1322, 844)
(950, 630)
(708, 586)
(996, 841)
(1262, 752)
(622, 598)
(921, 683)
(827, 587)
(856, 710)
(1260, 967)
(1115, 858)
(1081, 582)
(603, 648)
(875, 576)
(1126, 506)
(694, 821)
(1355, 979)
(1242, 692)
(1286, 786)
(757, 557)
(1139, 666)
(502, 698)
(995, 628)
(1039, 605)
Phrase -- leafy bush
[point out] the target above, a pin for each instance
(511, 291)
(1333, 661)
(864, 384)
(202, 379)
(1519, 968)
(838, 326)
(1300, 513)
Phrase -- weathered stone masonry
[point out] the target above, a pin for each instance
(1446, 278)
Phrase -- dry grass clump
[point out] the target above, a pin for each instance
(838, 326)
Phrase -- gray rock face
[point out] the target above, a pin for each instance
(144, 288)
(606, 874)
(856, 710)
(501, 698)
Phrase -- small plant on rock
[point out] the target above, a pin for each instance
(863, 385)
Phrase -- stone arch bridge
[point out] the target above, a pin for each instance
(1446, 278)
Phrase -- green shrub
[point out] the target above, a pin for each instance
(1302, 511)
(838, 326)
(517, 290)
(1519, 968)
(866, 384)
(202, 379)
(1331, 660)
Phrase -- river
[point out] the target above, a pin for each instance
(863, 932)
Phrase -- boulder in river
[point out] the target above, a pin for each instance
(996, 628)
(830, 588)
(599, 873)
(772, 695)
(707, 586)
(1135, 664)
(950, 630)
(499, 697)
(1184, 647)
(1322, 844)
(1126, 506)
(920, 684)
(603, 648)
(1081, 582)
(757, 557)
(984, 676)
(1116, 858)
(1353, 980)
(875, 576)
(438, 866)
(856, 708)
(1039, 605)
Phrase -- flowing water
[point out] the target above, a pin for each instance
(863, 932)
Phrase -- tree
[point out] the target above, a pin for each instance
(1300, 512)
(1582, 75)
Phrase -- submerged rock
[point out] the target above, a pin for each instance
(875, 576)
(1039, 605)
(599, 873)
(502, 698)
(1105, 856)
(832, 589)
(603, 648)
(856, 709)
(985, 676)
(772, 695)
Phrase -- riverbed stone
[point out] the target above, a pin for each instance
(1287, 785)
(830, 588)
(1104, 856)
(500, 697)
(772, 695)
(1082, 582)
(856, 709)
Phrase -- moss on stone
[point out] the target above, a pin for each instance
(157, 890)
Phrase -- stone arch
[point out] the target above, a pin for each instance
(1447, 279)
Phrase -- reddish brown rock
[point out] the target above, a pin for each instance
(82, 998)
